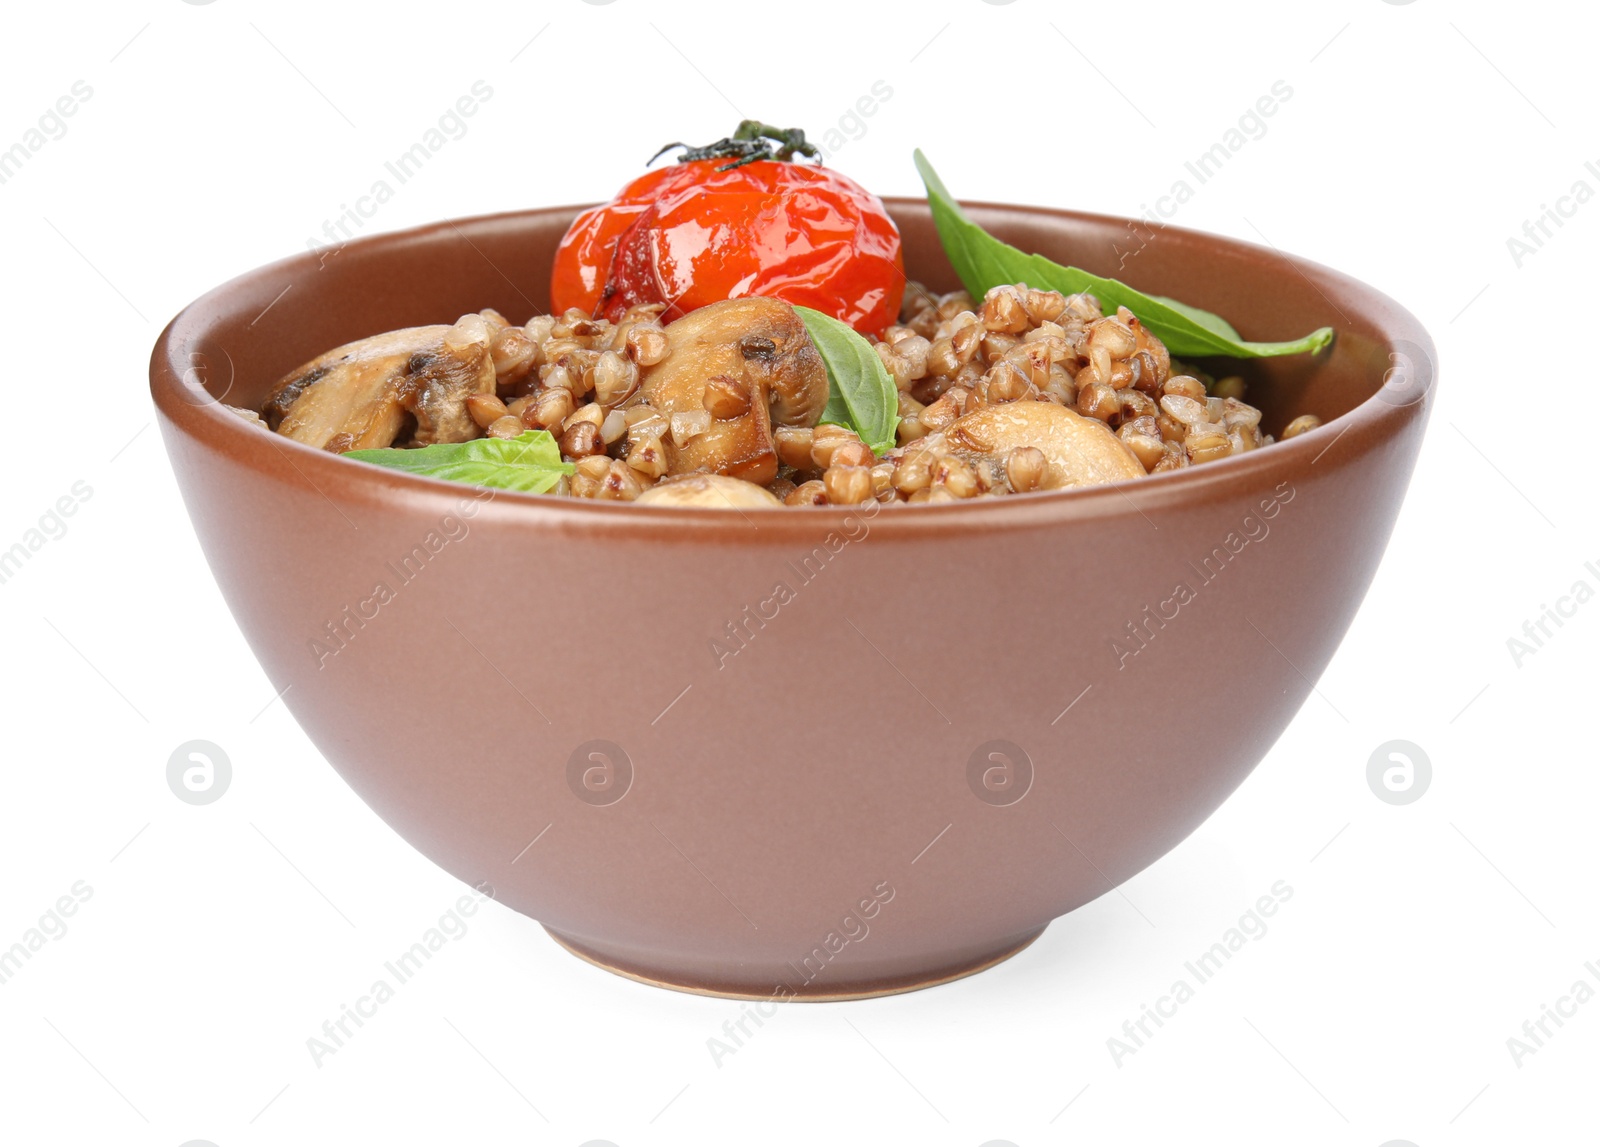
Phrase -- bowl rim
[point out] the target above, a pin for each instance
(184, 404)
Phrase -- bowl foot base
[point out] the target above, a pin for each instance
(815, 992)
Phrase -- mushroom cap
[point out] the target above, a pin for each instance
(1080, 451)
(358, 396)
(761, 342)
(708, 490)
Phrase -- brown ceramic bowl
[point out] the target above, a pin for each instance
(943, 735)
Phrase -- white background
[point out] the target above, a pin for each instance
(218, 939)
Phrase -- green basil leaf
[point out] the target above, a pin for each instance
(982, 261)
(861, 395)
(1214, 323)
(530, 463)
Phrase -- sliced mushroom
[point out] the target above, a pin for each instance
(249, 416)
(758, 342)
(708, 490)
(1078, 451)
(364, 394)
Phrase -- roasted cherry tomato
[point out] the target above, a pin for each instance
(732, 220)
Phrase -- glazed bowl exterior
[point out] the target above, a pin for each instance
(812, 753)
